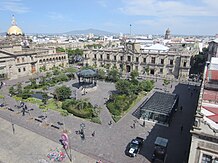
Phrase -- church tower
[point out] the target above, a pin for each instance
(167, 34)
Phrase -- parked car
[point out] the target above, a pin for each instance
(134, 146)
(160, 150)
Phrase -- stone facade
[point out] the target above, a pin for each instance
(17, 61)
(174, 63)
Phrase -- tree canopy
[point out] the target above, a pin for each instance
(62, 93)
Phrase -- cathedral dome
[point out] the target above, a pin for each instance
(14, 29)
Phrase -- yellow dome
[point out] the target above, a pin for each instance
(14, 30)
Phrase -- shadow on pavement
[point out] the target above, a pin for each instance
(178, 133)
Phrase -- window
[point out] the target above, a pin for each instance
(24, 69)
(171, 62)
(31, 58)
(161, 71)
(115, 58)
(121, 58)
(152, 71)
(85, 56)
(170, 71)
(162, 61)
(129, 58)
(101, 56)
(95, 56)
(18, 60)
(108, 56)
(144, 60)
(153, 60)
(22, 59)
(137, 59)
(136, 68)
(19, 70)
(206, 159)
(184, 64)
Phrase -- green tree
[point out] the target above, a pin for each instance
(134, 74)
(113, 75)
(60, 49)
(33, 83)
(101, 74)
(44, 98)
(62, 93)
(123, 86)
(147, 85)
(12, 91)
(19, 88)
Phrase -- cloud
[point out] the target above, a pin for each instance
(169, 8)
(102, 3)
(56, 16)
(15, 6)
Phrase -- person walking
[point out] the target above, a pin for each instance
(93, 133)
(13, 129)
(181, 129)
(133, 125)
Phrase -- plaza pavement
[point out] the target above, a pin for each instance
(109, 142)
(24, 146)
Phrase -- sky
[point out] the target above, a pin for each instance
(183, 17)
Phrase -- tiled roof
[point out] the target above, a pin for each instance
(212, 74)
(161, 103)
(210, 95)
(211, 109)
(213, 118)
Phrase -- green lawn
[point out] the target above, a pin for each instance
(139, 97)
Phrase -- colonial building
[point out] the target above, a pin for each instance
(204, 144)
(172, 61)
(213, 49)
(20, 58)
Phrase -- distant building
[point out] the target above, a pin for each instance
(19, 57)
(167, 34)
(213, 49)
(171, 61)
(204, 144)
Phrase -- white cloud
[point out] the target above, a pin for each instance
(102, 3)
(15, 6)
(56, 16)
(170, 8)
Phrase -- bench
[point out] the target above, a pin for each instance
(54, 126)
(38, 120)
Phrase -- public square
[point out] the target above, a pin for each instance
(110, 141)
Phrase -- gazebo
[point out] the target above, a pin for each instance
(87, 77)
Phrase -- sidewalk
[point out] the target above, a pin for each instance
(25, 146)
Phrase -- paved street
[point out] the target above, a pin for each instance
(109, 142)
(24, 146)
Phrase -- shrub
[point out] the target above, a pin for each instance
(64, 112)
(96, 120)
(80, 108)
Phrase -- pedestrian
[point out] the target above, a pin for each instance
(93, 133)
(143, 124)
(13, 129)
(133, 125)
(181, 129)
(110, 123)
(181, 108)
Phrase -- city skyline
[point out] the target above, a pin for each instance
(183, 17)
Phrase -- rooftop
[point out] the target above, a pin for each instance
(161, 103)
